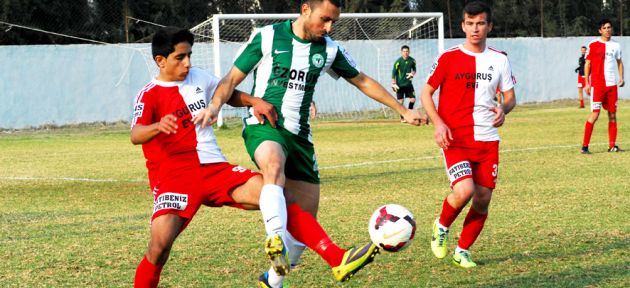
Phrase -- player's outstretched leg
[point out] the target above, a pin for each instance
(438, 239)
(344, 263)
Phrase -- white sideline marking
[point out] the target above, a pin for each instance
(67, 179)
(368, 163)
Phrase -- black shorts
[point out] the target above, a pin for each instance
(405, 92)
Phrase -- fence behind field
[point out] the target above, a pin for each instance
(70, 84)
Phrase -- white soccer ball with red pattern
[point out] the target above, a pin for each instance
(392, 227)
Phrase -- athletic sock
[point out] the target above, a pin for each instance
(274, 279)
(273, 209)
(411, 105)
(588, 131)
(582, 103)
(612, 134)
(147, 274)
(305, 228)
(449, 214)
(473, 224)
(296, 248)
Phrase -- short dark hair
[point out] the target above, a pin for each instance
(477, 7)
(165, 39)
(337, 3)
(604, 22)
(404, 47)
(584, 47)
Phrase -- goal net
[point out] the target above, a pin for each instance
(372, 39)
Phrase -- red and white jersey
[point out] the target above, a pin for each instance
(603, 57)
(184, 99)
(468, 82)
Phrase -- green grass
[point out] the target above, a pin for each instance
(557, 219)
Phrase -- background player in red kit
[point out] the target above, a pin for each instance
(603, 59)
(192, 170)
(466, 127)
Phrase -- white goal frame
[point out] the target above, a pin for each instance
(217, 18)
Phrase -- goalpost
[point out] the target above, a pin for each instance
(372, 39)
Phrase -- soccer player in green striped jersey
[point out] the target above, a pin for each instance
(286, 60)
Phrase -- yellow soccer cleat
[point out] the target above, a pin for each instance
(353, 260)
(277, 254)
(438, 240)
(462, 259)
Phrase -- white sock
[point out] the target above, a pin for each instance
(274, 279)
(296, 248)
(439, 225)
(458, 249)
(273, 209)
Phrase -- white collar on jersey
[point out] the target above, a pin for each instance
(461, 47)
(166, 83)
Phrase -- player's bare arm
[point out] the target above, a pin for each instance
(509, 101)
(620, 67)
(223, 93)
(262, 108)
(587, 74)
(442, 134)
(376, 91)
(141, 134)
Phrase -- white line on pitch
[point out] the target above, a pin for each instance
(434, 157)
(320, 168)
(68, 179)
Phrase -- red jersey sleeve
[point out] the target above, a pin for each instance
(144, 109)
(438, 72)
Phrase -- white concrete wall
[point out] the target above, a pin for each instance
(53, 84)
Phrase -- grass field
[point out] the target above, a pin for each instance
(76, 207)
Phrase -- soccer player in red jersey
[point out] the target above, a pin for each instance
(580, 71)
(466, 127)
(191, 169)
(602, 60)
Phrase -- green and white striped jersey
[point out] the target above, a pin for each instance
(286, 69)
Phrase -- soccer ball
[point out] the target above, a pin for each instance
(392, 227)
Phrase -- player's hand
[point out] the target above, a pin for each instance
(413, 117)
(410, 75)
(206, 116)
(168, 124)
(395, 87)
(587, 88)
(443, 136)
(499, 118)
(621, 83)
(262, 109)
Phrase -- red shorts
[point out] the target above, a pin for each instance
(479, 161)
(580, 81)
(185, 186)
(604, 97)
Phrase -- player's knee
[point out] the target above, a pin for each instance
(158, 252)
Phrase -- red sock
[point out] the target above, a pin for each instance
(305, 229)
(449, 214)
(612, 134)
(588, 131)
(147, 274)
(582, 103)
(472, 228)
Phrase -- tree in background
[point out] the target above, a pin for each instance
(104, 20)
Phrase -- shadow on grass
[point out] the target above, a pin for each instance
(576, 274)
(592, 276)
